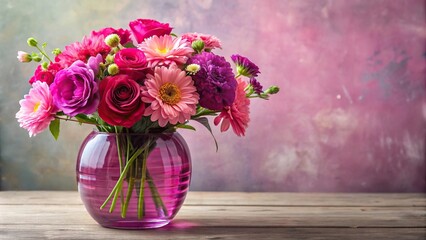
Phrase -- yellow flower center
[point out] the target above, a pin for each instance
(170, 93)
(36, 107)
(162, 50)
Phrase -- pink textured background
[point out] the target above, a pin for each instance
(351, 115)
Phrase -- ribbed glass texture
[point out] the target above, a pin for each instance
(167, 178)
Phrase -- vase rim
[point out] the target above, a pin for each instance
(134, 133)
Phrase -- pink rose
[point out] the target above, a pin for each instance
(145, 28)
(131, 61)
(75, 89)
(121, 101)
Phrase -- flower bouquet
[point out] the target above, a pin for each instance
(144, 79)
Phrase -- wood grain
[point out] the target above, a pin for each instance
(94, 232)
(227, 215)
(242, 198)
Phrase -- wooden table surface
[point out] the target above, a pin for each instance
(226, 215)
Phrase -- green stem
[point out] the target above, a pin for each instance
(155, 194)
(73, 120)
(143, 178)
(120, 161)
(203, 112)
(114, 200)
(250, 91)
(43, 53)
(122, 175)
(128, 196)
(130, 186)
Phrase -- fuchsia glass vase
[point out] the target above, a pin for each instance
(146, 185)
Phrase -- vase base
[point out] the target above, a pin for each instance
(135, 225)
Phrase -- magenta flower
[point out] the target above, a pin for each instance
(236, 115)
(132, 62)
(245, 67)
(37, 109)
(75, 90)
(130, 59)
(45, 75)
(94, 62)
(166, 50)
(172, 96)
(214, 80)
(124, 34)
(145, 28)
(210, 41)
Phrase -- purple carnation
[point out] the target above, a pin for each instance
(257, 87)
(245, 67)
(215, 81)
(75, 90)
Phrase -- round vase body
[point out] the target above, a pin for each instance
(152, 189)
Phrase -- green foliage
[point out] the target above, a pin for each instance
(185, 126)
(144, 125)
(54, 128)
(83, 118)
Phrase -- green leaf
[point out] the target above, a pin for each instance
(54, 128)
(205, 122)
(185, 126)
(82, 118)
(143, 125)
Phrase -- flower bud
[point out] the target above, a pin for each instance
(35, 57)
(113, 69)
(32, 42)
(24, 56)
(198, 45)
(56, 51)
(112, 40)
(45, 65)
(109, 58)
(272, 90)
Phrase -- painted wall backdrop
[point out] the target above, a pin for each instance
(350, 117)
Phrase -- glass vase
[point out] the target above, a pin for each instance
(133, 181)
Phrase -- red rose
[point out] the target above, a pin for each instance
(145, 28)
(45, 75)
(121, 101)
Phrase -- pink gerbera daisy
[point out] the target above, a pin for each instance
(37, 109)
(236, 115)
(166, 50)
(90, 46)
(172, 95)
